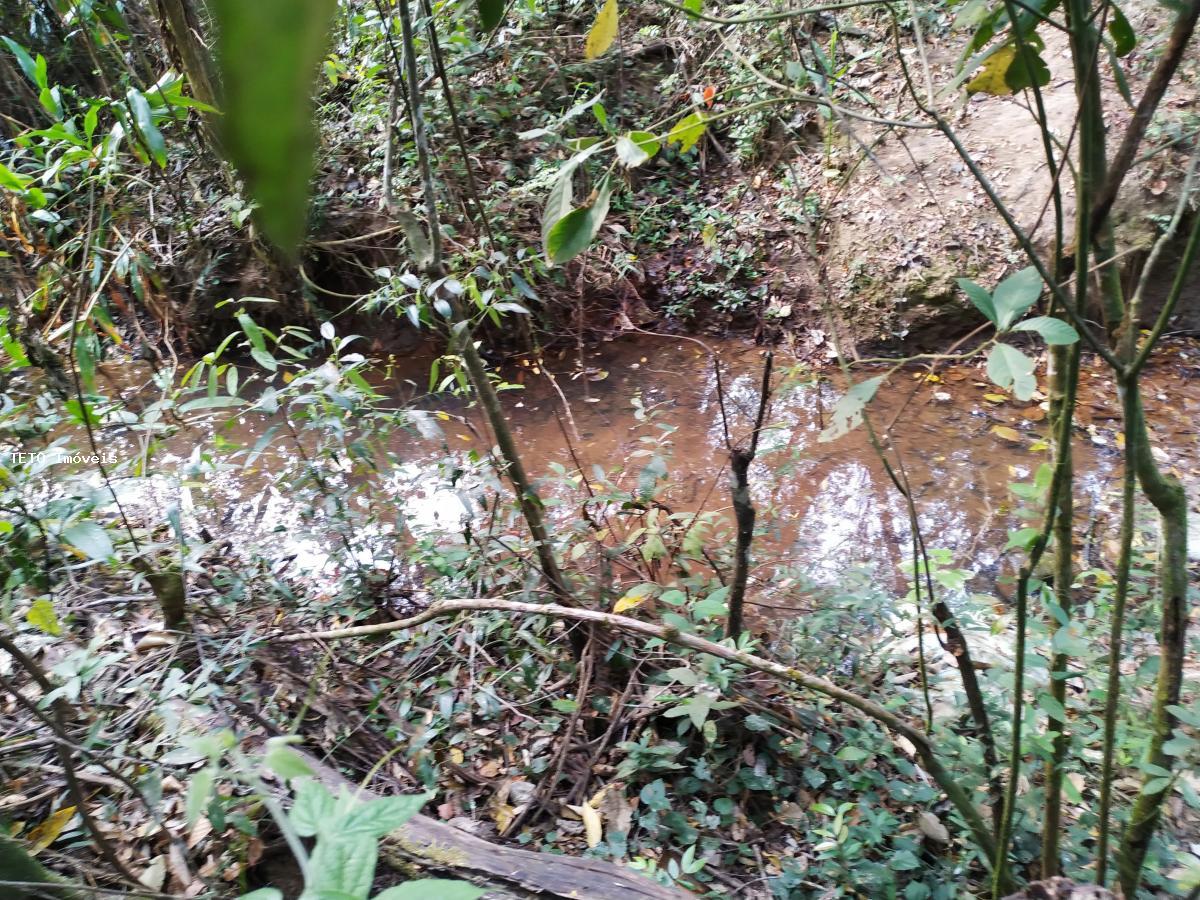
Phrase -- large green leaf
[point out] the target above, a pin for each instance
(1012, 370)
(572, 233)
(1014, 295)
(382, 816)
(88, 538)
(313, 809)
(24, 60)
(269, 53)
(558, 204)
(343, 866)
(147, 131)
(1121, 32)
(1053, 331)
(980, 297)
(847, 414)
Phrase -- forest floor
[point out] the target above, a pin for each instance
(901, 217)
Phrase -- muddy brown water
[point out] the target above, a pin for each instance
(823, 507)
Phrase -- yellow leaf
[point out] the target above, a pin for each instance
(995, 398)
(687, 131)
(503, 816)
(445, 417)
(1008, 434)
(598, 797)
(288, 377)
(990, 79)
(456, 756)
(629, 601)
(593, 825)
(1039, 446)
(41, 616)
(45, 834)
(603, 31)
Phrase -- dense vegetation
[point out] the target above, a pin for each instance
(228, 227)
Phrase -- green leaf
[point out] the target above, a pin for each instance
(383, 815)
(428, 888)
(1119, 74)
(89, 538)
(687, 131)
(211, 403)
(490, 13)
(39, 73)
(603, 31)
(144, 120)
(852, 754)
(284, 762)
(980, 297)
(265, 359)
(11, 180)
(1022, 538)
(1012, 370)
(1052, 708)
(558, 204)
(694, 6)
(198, 792)
(1121, 32)
(341, 866)
(847, 414)
(270, 52)
(42, 616)
(1014, 295)
(253, 332)
(313, 809)
(24, 60)
(1069, 640)
(1052, 330)
(267, 893)
(649, 476)
(636, 148)
(572, 233)
(1156, 785)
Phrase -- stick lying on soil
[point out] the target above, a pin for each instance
(435, 845)
(925, 750)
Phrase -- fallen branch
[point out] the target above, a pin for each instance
(436, 845)
(980, 833)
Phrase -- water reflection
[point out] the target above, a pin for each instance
(823, 507)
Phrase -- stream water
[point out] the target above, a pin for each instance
(824, 506)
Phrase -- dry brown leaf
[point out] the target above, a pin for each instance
(1007, 434)
(155, 874)
(931, 826)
